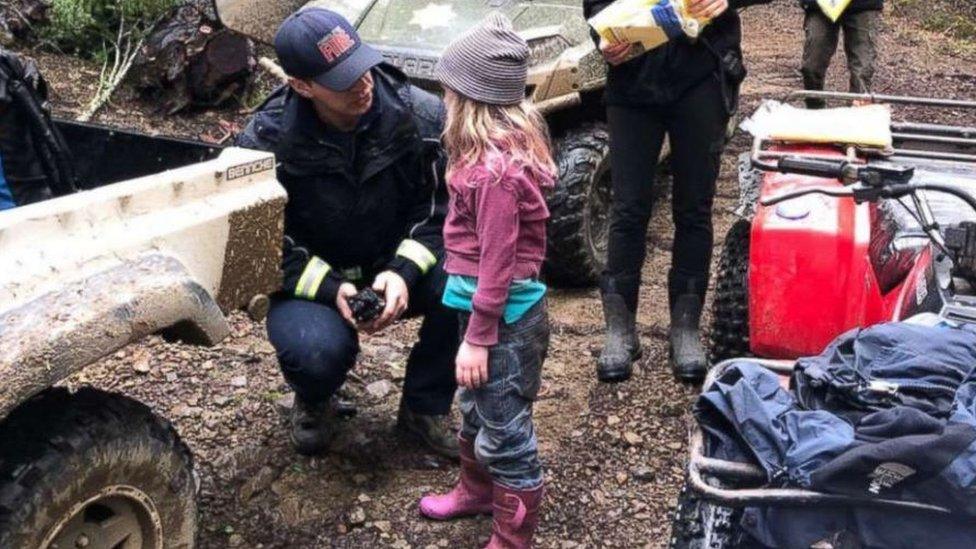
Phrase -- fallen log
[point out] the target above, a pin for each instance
(19, 17)
(190, 61)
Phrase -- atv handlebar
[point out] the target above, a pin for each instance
(869, 182)
(816, 167)
(865, 182)
(828, 191)
(861, 192)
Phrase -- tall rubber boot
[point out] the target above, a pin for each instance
(622, 346)
(688, 360)
(471, 496)
(515, 516)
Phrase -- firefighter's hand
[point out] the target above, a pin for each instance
(615, 54)
(346, 290)
(707, 9)
(471, 366)
(394, 291)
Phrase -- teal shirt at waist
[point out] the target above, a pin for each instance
(522, 295)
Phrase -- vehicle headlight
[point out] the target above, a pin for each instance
(544, 49)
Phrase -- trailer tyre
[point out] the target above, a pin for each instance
(94, 469)
(579, 225)
(729, 336)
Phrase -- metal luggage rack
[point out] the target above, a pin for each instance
(736, 484)
(911, 139)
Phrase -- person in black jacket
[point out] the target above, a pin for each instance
(685, 89)
(861, 22)
(35, 163)
(359, 153)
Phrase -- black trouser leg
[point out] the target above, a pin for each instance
(696, 126)
(316, 348)
(636, 137)
(860, 45)
(818, 49)
(430, 384)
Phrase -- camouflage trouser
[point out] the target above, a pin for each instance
(860, 45)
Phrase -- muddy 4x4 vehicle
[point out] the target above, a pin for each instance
(565, 77)
(88, 272)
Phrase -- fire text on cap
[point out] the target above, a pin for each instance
(335, 44)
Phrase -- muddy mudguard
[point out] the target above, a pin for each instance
(46, 340)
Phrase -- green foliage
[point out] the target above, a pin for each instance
(950, 17)
(952, 24)
(86, 26)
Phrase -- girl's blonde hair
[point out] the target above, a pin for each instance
(474, 130)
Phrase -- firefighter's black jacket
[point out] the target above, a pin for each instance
(353, 211)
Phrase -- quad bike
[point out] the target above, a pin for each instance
(566, 77)
(794, 275)
(941, 279)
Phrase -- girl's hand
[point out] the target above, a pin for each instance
(615, 54)
(707, 9)
(472, 365)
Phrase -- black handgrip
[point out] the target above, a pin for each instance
(815, 167)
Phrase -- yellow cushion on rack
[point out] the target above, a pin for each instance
(868, 126)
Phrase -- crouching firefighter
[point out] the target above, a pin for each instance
(35, 163)
(360, 156)
(686, 89)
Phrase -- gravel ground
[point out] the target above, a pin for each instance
(614, 454)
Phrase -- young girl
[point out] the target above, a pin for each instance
(495, 236)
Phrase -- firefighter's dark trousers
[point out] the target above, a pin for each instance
(316, 348)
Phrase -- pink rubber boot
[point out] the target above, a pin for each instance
(516, 516)
(471, 495)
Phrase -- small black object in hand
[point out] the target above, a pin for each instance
(366, 305)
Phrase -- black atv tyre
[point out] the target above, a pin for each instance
(579, 225)
(698, 524)
(94, 469)
(729, 336)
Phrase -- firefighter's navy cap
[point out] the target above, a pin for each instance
(319, 44)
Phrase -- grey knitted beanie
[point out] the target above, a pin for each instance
(489, 63)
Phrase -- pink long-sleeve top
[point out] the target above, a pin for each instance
(495, 231)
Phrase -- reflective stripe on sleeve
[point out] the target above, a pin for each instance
(315, 272)
(418, 253)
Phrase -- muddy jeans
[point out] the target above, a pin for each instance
(498, 415)
(860, 45)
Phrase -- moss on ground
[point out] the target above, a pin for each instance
(952, 18)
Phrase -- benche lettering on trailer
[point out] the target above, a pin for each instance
(250, 168)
